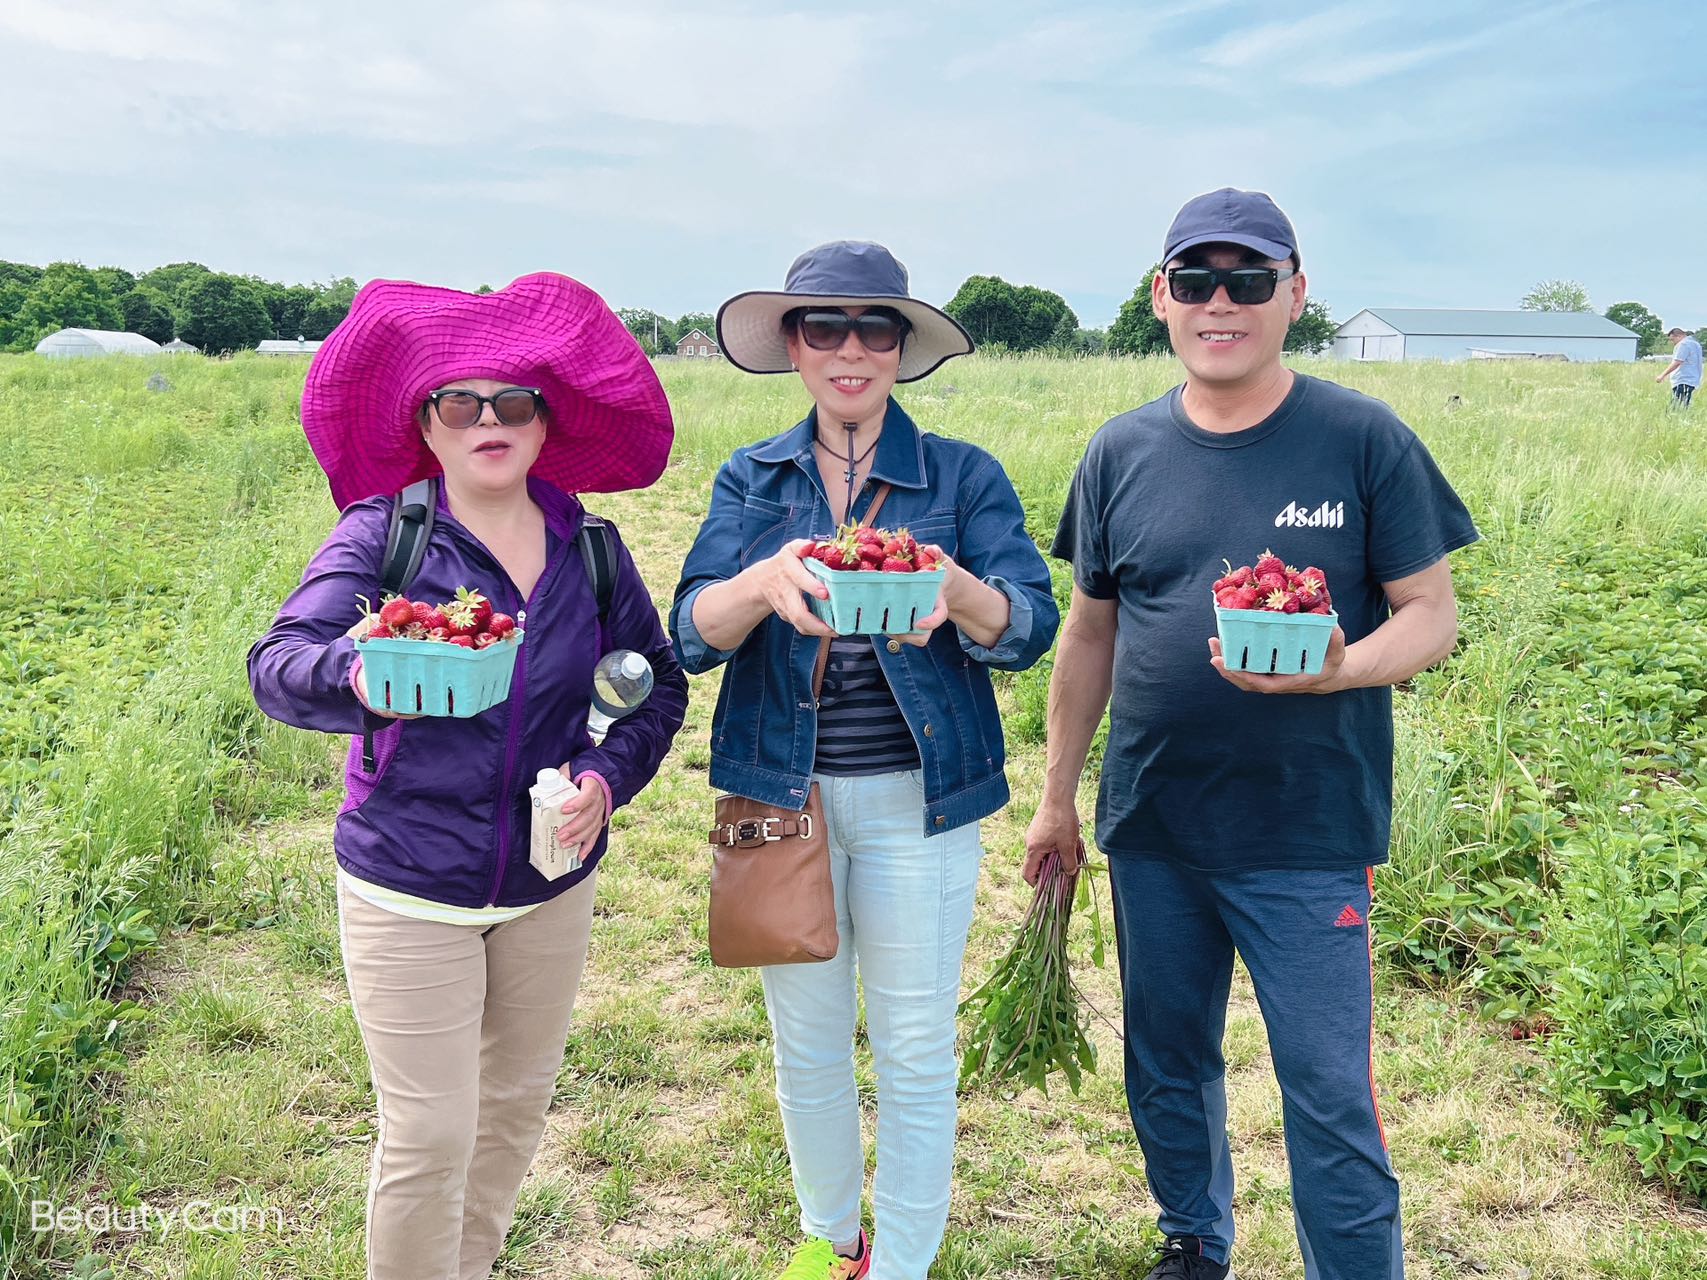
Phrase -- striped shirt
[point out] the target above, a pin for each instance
(860, 726)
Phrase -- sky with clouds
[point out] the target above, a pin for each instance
(1444, 154)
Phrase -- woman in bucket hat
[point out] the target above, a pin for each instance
(462, 958)
(905, 741)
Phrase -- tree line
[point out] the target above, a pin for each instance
(210, 310)
(1007, 317)
(216, 311)
(1026, 318)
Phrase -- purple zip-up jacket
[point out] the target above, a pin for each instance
(444, 814)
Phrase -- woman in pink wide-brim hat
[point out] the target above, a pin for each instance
(462, 946)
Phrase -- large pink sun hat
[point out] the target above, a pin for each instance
(608, 424)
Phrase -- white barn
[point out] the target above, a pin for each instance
(69, 344)
(288, 347)
(1414, 333)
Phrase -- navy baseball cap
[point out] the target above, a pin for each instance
(1231, 216)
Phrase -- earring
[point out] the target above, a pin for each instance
(794, 366)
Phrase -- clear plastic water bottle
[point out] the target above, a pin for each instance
(622, 680)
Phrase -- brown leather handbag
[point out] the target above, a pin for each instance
(772, 900)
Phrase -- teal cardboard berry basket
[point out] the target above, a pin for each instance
(432, 678)
(874, 604)
(1281, 644)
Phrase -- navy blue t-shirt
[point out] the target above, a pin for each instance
(1196, 769)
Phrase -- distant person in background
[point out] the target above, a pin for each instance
(1684, 369)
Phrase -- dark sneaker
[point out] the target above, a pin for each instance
(1182, 1259)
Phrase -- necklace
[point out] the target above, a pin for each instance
(851, 461)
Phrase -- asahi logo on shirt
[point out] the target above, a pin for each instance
(1326, 516)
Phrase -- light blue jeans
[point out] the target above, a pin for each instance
(903, 906)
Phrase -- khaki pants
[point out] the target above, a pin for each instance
(464, 1030)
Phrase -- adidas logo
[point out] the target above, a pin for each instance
(1349, 919)
(1326, 516)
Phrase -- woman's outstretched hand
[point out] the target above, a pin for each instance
(780, 581)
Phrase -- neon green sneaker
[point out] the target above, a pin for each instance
(817, 1259)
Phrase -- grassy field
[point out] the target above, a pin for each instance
(173, 1027)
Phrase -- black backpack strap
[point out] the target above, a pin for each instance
(412, 514)
(598, 555)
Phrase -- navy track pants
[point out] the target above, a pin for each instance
(1304, 936)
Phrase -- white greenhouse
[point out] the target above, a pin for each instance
(69, 344)
(1413, 333)
(178, 347)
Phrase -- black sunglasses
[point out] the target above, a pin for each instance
(512, 407)
(1244, 284)
(879, 329)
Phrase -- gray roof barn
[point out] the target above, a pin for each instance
(288, 347)
(178, 347)
(1417, 333)
(72, 343)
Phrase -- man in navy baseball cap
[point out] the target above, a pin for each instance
(1236, 820)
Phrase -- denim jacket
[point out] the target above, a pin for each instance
(764, 734)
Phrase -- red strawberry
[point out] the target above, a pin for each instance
(1310, 571)
(925, 562)
(1275, 601)
(1246, 596)
(485, 640)
(895, 564)
(1320, 608)
(422, 611)
(1270, 563)
(465, 642)
(473, 599)
(501, 624)
(1269, 582)
(869, 566)
(438, 633)
(379, 631)
(1290, 603)
(871, 553)
(460, 618)
(1228, 598)
(397, 612)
